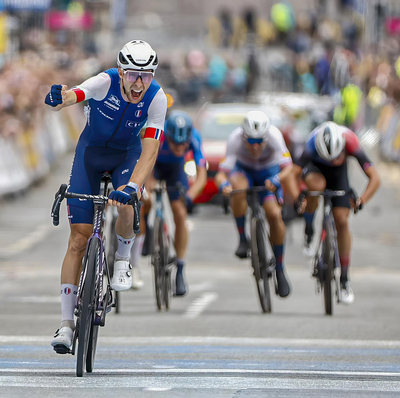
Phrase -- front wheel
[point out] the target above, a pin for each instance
(258, 262)
(157, 261)
(86, 348)
(329, 264)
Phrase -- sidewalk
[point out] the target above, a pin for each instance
(25, 219)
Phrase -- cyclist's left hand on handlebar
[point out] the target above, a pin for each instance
(121, 197)
(273, 183)
(300, 203)
(357, 205)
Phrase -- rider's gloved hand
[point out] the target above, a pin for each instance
(275, 181)
(223, 186)
(54, 97)
(123, 196)
(299, 205)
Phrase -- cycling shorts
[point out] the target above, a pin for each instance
(89, 164)
(171, 173)
(336, 179)
(257, 178)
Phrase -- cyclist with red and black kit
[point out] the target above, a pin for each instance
(120, 101)
(323, 164)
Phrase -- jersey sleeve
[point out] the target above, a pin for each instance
(353, 148)
(195, 146)
(156, 116)
(95, 87)
(229, 162)
(280, 148)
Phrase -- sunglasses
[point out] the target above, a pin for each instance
(133, 75)
(253, 141)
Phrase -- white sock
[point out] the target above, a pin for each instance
(124, 247)
(136, 250)
(68, 301)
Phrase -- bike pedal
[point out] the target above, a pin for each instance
(62, 349)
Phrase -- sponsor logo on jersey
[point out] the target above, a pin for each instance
(140, 105)
(131, 124)
(138, 113)
(112, 102)
(124, 171)
(286, 154)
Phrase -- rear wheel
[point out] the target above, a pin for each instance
(87, 310)
(259, 264)
(329, 263)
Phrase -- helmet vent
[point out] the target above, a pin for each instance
(327, 139)
(122, 59)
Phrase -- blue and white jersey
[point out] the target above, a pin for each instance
(167, 156)
(115, 123)
(274, 153)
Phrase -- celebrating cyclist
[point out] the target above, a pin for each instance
(181, 138)
(256, 155)
(323, 164)
(121, 100)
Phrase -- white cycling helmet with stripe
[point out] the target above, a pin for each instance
(329, 141)
(137, 55)
(256, 125)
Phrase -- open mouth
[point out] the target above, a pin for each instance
(136, 94)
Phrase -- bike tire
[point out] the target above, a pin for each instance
(91, 353)
(157, 261)
(86, 311)
(329, 263)
(259, 265)
(167, 288)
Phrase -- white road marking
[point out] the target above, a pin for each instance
(199, 305)
(337, 373)
(129, 378)
(27, 242)
(157, 389)
(221, 341)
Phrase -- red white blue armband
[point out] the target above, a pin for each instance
(152, 132)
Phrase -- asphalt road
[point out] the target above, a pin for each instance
(215, 341)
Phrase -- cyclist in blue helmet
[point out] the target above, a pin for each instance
(181, 138)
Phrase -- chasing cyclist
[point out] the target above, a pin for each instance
(256, 155)
(323, 164)
(121, 100)
(181, 138)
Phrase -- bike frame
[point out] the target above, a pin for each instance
(258, 212)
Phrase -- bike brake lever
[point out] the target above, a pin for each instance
(136, 212)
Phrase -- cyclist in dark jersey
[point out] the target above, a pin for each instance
(323, 164)
(120, 101)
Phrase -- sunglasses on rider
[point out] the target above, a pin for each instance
(132, 76)
(253, 141)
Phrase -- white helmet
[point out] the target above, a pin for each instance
(256, 124)
(329, 141)
(137, 55)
